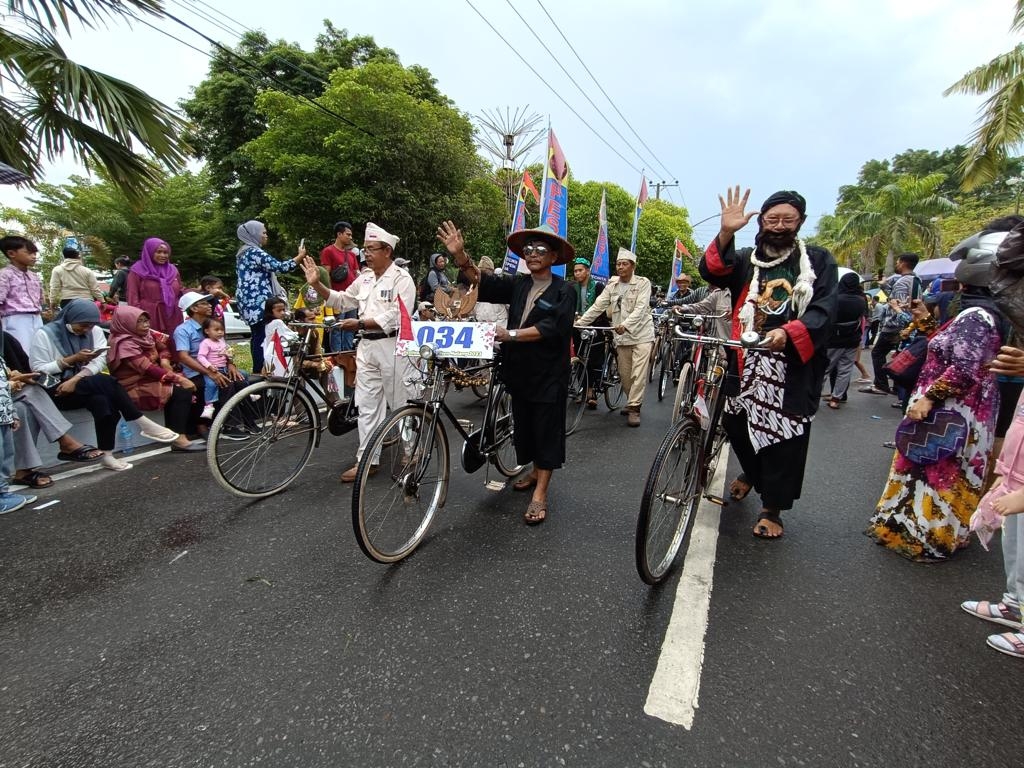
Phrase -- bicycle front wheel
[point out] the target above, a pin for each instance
(577, 399)
(683, 401)
(401, 482)
(671, 496)
(262, 438)
(613, 392)
(503, 456)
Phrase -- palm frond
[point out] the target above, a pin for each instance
(53, 13)
(1018, 17)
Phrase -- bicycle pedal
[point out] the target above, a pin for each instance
(495, 485)
(715, 499)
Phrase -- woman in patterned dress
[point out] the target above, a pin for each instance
(924, 511)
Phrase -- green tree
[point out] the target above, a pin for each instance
(52, 105)
(181, 211)
(414, 165)
(901, 216)
(1001, 122)
(225, 116)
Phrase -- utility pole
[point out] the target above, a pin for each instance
(658, 185)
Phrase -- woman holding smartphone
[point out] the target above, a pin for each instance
(71, 351)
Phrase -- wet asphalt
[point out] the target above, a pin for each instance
(151, 619)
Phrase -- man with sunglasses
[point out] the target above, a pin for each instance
(627, 301)
(376, 292)
(534, 350)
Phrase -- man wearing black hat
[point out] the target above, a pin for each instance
(786, 291)
(535, 348)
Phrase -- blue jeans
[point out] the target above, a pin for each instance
(342, 341)
(6, 455)
(259, 334)
(211, 392)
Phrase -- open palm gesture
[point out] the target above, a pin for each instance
(451, 236)
(734, 215)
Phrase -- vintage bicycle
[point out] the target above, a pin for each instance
(687, 456)
(608, 384)
(402, 477)
(283, 418)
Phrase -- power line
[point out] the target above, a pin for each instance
(557, 95)
(573, 81)
(603, 91)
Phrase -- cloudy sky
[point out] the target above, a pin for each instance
(781, 94)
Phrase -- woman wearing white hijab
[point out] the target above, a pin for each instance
(257, 282)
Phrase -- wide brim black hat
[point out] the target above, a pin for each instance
(521, 237)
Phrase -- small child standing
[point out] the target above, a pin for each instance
(277, 334)
(8, 424)
(213, 353)
(213, 286)
(21, 290)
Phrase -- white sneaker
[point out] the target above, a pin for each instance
(207, 412)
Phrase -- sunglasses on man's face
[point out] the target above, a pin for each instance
(540, 250)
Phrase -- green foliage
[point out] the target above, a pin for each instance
(182, 211)
(56, 105)
(416, 169)
(1000, 126)
(48, 237)
(225, 116)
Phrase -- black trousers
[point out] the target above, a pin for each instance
(107, 401)
(886, 343)
(182, 411)
(775, 472)
(540, 432)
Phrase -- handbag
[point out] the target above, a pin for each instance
(339, 273)
(906, 365)
(939, 435)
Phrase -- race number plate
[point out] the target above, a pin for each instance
(450, 339)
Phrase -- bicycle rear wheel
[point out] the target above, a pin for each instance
(669, 503)
(262, 438)
(665, 374)
(613, 392)
(656, 357)
(685, 391)
(577, 399)
(401, 482)
(503, 456)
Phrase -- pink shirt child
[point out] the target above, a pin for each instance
(213, 354)
(1010, 464)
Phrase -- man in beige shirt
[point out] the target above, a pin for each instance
(627, 301)
(71, 279)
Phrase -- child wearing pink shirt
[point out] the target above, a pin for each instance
(213, 353)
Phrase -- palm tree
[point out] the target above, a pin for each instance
(899, 216)
(1000, 125)
(52, 105)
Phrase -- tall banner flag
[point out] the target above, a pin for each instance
(677, 266)
(600, 267)
(519, 220)
(640, 200)
(554, 200)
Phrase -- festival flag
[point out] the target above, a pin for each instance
(519, 220)
(682, 249)
(555, 192)
(640, 200)
(600, 266)
(404, 322)
(677, 268)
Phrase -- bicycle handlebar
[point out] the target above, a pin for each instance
(747, 340)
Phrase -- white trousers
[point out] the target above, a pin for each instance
(23, 328)
(380, 384)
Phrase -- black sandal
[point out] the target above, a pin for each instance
(33, 479)
(81, 453)
(761, 531)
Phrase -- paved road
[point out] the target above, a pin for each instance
(150, 619)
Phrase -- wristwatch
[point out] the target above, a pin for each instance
(513, 334)
(362, 325)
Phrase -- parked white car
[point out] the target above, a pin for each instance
(234, 325)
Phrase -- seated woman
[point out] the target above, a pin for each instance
(140, 359)
(37, 413)
(71, 347)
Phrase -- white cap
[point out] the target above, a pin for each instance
(375, 234)
(625, 254)
(401, 263)
(191, 298)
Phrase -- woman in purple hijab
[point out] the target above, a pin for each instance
(154, 286)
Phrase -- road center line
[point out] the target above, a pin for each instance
(675, 686)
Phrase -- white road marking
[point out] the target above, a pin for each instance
(675, 686)
(44, 506)
(96, 465)
(178, 557)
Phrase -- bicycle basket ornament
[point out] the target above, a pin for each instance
(456, 306)
(941, 434)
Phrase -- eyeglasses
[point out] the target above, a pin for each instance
(540, 250)
(774, 221)
(373, 248)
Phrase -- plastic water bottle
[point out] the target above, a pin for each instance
(127, 437)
